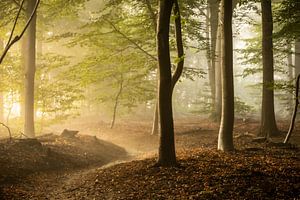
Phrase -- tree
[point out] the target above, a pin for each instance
(297, 57)
(1, 90)
(29, 69)
(268, 123)
(166, 154)
(213, 19)
(225, 140)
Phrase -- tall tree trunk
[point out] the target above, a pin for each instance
(1, 91)
(155, 126)
(213, 21)
(297, 57)
(290, 76)
(268, 123)
(1, 107)
(30, 58)
(167, 156)
(218, 84)
(225, 140)
(22, 85)
(179, 45)
(155, 122)
(210, 61)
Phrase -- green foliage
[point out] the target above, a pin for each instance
(242, 108)
(287, 16)
(56, 97)
(203, 103)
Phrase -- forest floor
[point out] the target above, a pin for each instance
(85, 167)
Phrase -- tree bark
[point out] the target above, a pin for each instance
(179, 45)
(1, 107)
(1, 92)
(290, 76)
(30, 58)
(218, 84)
(210, 61)
(268, 123)
(297, 57)
(117, 102)
(155, 126)
(166, 154)
(155, 122)
(213, 21)
(225, 140)
(22, 86)
(289, 133)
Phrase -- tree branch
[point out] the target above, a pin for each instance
(15, 23)
(130, 40)
(179, 43)
(288, 135)
(18, 37)
(8, 129)
(19, 5)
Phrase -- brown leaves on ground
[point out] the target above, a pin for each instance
(20, 158)
(254, 171)
(266, 173)
(203, 174)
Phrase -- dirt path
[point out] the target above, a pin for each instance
(58, 185)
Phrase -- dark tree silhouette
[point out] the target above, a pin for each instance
(268, 123)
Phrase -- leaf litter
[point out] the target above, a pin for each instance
(253, 171)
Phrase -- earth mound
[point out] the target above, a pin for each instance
(22, 157)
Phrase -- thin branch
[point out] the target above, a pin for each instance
(19, 5)
(288, 135)
(179, 43)
(22, 134)
(15, 23)
(8, 129)
(130, 40)
(18, 37)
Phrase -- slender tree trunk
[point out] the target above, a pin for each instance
(30, 57)
(213, 21)
(9, 109)
(297, 57)
(155, 122)
(288, 135)
(1, 107)
(22, 85)
(290, 76)
(167, 156)
(225, 140)
(210, 61)
(117, 102)
(290, 62)
(268, 123)
(1, 92)
(39, 54)
(179, 45)
(218, 84)
(155, 126)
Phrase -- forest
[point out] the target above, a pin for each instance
(149, 99)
